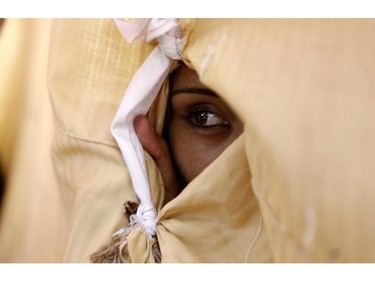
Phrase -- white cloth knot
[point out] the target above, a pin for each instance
(166, 31)
(140, 94)
(146, 215)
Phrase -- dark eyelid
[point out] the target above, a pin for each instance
(192, 90)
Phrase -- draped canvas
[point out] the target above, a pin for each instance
(296, 186)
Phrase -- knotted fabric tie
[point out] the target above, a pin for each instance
(137, 100)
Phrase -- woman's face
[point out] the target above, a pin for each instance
(202, 125)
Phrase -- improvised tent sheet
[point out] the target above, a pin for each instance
(305, 91)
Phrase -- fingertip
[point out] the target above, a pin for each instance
(147, 135)
(139, 120)
(142, 126)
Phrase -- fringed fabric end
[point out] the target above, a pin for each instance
(117, 250)
(155, 249)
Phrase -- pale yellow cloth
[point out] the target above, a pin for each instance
(87, 81)
(33, 223)
(304, 89)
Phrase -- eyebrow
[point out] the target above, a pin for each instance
(193, 90)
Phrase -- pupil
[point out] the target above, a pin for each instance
(202, 118)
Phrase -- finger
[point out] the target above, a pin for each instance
(158, 149)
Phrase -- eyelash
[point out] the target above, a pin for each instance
(195, 111)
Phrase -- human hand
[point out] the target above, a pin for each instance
(157, 147)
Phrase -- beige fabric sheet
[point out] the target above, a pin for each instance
(305, 91)
(94, 177)
(33, 223)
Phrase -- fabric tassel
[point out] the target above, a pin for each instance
(117, 251)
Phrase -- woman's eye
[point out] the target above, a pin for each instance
(205, 119)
